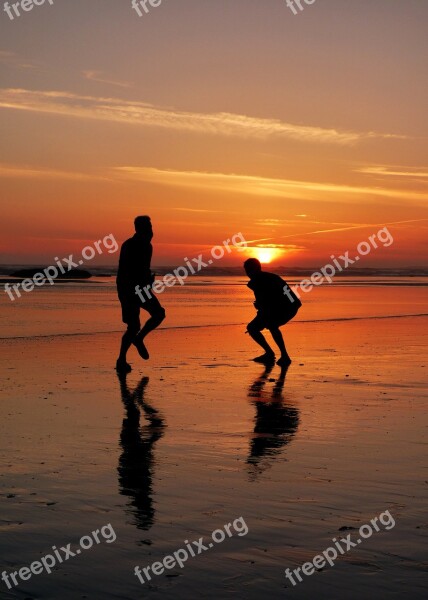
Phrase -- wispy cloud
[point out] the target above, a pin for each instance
(284, 222)
(29, 172)
(148, 115)
(99, 77)
(197, 210)
(11, 59)
(372, 226)
(272, 222)
(264, 186)
(281, 246)
(391, 171)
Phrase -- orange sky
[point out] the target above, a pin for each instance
(306, 133)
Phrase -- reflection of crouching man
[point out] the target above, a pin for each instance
(274, 309)
(134, 271)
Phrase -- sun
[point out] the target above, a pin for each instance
(265, 255)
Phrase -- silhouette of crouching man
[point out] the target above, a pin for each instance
(274, 310)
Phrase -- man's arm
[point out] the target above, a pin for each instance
(124, 256)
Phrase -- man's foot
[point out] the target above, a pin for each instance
(123, 367)
(284, 361)
(266, 359)
(142, 350)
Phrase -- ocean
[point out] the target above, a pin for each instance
(91, 306)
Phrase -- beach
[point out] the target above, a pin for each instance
(200, 436)
(179, 180)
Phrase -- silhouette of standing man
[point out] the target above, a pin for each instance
(274, 309)
(134, 270)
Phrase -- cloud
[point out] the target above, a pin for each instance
(148, 115)
(281, 246)
(264, 186)
(99, 77)
(197, 210)
(337, 229)
(270, 222)
(11, 59)
(391, 171)
(28, 172)
(284, 222)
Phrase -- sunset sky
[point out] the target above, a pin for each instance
(307, 133)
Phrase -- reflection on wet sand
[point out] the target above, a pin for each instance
(275, 422)
(136, 463)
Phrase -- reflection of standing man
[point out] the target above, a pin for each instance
(134, 270)
(136, 462)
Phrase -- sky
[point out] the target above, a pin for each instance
(306, 133)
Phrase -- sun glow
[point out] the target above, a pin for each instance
(265, 255)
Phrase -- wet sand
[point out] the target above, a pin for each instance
(334, 442)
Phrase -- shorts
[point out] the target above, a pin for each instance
(265, 320)
(131, 305)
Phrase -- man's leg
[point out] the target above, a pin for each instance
(157, 315)
(154, 321)
(284, 360)
(279, 341)
(130, 316)
(254, 329)
(127, 341)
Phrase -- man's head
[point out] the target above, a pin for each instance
(143, 226)
(252, 266)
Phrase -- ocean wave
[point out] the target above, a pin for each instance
(301, 321)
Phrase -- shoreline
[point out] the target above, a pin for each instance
(215, 325)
